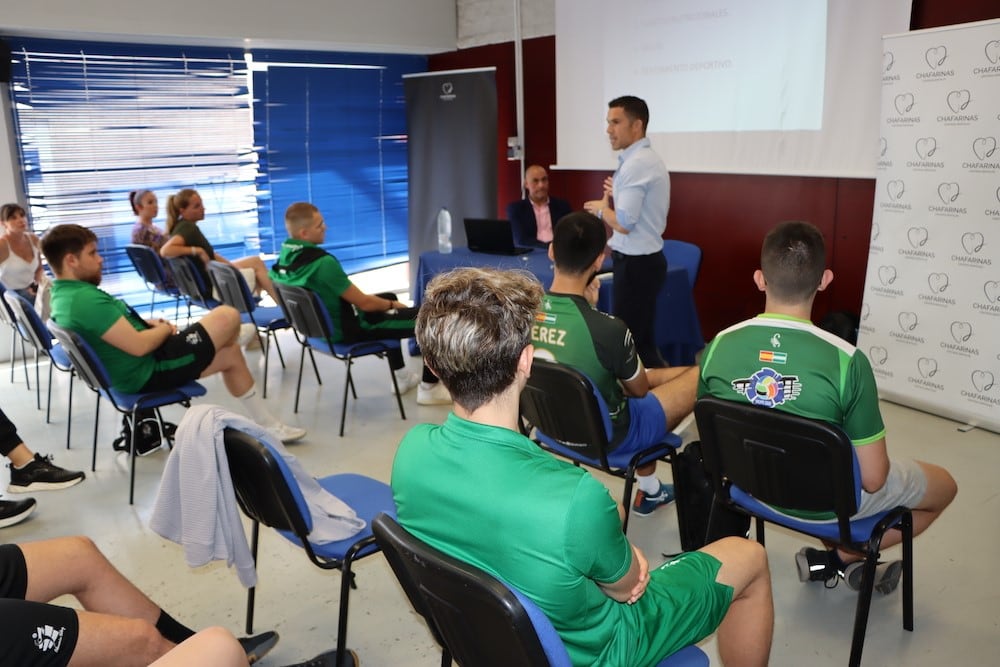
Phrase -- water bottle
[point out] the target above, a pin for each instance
(444, 231)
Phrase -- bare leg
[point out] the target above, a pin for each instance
(676, 395)
(223, 327)
(941, 490)
(120, 620)
(259, 272)
(745, 632)
(212, 647)
(20, 455)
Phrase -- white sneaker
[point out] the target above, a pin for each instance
(406, 380)
(248, 333)
(287, 433)
(434, 394)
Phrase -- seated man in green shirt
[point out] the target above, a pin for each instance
(814, 374)
(480, 491)
(356, 316)
(143, 356)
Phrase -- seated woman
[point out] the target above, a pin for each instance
(20, 257)
(184, 210)
(144, 232)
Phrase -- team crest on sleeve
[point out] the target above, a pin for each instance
(768, 387)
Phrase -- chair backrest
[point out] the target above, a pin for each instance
(478, 618)
(563, 404)
(148, 264)
(682, 253)
(779, 458)
(231, 286)
(265, 488)
(305, 311)
(190, 279)
(6, 315)
(28, 321)
(86, 362)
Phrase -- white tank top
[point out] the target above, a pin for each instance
(15, 273)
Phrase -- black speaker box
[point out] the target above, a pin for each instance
(4, 62)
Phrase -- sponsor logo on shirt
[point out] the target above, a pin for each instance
(768, 387)
(770, 356)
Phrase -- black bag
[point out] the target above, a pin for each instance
(694, 498)
(148, 437)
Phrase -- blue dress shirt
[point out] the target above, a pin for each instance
(642, 198)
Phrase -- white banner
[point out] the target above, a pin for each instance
(930, 321)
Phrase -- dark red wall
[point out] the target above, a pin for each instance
(727, 215)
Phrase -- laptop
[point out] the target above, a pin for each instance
(492, 236)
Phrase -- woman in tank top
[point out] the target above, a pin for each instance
(20, 257)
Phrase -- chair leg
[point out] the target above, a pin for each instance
(906, 526)
(13, 355)
(252, 591)
(298, 384)
(48, 399)
(131, 457)
(395, 390)
(312, 358)
(343, 405)
(864, 605)
(24, 365)
(38, 387)
(267, 357)
(69, 411)
(277, 346)
(97, 416)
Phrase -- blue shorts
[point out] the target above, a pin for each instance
(647, 424)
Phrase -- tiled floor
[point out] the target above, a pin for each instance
(957, 598)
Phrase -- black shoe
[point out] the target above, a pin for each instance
(329, 659)
(886, 575)
(40, 474)
(15, 511)
(817, 565)
(257, 646)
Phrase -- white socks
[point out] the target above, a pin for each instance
(648, 484)
(257, 408)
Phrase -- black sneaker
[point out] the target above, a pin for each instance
(329, 659)
(886, 575)
(817, 565)
(40, 474)
(15, 511)
(257, 646)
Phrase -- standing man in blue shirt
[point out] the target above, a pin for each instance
(634, 205)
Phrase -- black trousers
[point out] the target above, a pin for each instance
(404, 319)
(638, 281)
(9, 439)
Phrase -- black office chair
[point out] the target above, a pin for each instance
(7, 317)
(760, 458)
(477, 619)
(314, 330)
(571, 419)
(233, 290)
(268, 493)
(150, 267)
(91, 370)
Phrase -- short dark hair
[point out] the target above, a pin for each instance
(577, 241)
(792, 259)
(472, 327)
(65, 239)
(634, 107)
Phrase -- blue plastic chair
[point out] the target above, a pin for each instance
(314, 330)
(760, 458)
(7, 317)
(40, 338)
(268, 494)
(232, 288)
(682, 253)
(571, 419)
(91, 369)
(150, 267)
(475, 617)
(193, 282)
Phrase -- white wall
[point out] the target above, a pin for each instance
(382, 26)
(492, 21)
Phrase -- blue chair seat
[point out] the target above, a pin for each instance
(366, 496)
(616, 458)
(353, 349)
(126, 401)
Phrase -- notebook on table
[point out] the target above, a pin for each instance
(492, 236)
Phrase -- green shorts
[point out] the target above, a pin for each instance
(682, 605)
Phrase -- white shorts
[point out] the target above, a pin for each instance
(905, 485)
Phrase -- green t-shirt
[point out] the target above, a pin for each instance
(322, 275)
(492, 498)
(191, 233)
(792, 365)
(570, 331)
(89, 311)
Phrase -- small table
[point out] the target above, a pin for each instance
(678, 332)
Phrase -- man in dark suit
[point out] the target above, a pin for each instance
(533, 217)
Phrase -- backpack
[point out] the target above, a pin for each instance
(148, 436)
(694, 498)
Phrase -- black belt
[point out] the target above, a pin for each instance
(618, 256)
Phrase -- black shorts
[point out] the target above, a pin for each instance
(181, 359)
(34, 633)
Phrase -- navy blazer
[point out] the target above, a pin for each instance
(522, 219)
